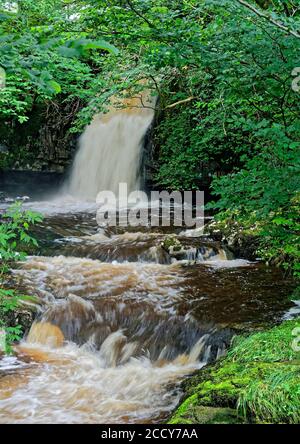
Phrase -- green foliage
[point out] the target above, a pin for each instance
(240, 80)
(14, 234)
(273, 345)
(9, 301)
(274, 399)
(14, 237)
(179, 165)
(41, 59)
(266, 193)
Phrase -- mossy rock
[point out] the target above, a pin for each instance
(183, 413)
(236, 387)
(171, 242)
(207, 415)
(226, 382)
(259, 380)
(23, 315)
(242, 241)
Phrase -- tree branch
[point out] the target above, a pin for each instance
(180, 102)
(131, 6)
(269, 19)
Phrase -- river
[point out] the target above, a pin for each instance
(120, 322)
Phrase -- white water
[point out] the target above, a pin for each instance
(114, 378)
(109, 151)
(152, 284)
(74, 384)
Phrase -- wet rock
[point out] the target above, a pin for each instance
(23, 316)
(171, 243)
(44, 142)
(242, 243)
(45, 333)
(3, 148)
(191, 250)
(177, 250)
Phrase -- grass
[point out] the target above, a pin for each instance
(259, 378)
(274, 399)
(269, 346)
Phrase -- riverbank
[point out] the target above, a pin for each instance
(257, 382)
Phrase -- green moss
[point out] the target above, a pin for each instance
(182, 415)
(207, 415)
(295, 296)
(259, 379)
(226, 382)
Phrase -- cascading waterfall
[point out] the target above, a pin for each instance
(110, 148)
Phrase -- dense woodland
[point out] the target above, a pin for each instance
(223, 71)
(226, 74)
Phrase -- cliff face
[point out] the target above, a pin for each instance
(43, 143)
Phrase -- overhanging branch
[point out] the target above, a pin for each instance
(269, 19)
(180, 102)
(132, 7)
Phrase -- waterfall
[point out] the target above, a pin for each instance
(110, 148)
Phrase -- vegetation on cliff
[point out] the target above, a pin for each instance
(15, 239)
(258, 381)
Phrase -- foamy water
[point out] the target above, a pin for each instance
(79, 385)
(155, 284)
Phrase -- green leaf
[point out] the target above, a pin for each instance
(54, 86)
(101, 44)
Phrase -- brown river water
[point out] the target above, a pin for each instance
(120, 324)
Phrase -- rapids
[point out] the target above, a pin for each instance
(113, 338)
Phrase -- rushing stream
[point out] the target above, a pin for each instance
(119, 326)
(119, 322)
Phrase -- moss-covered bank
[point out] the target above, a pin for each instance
(258, 381)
